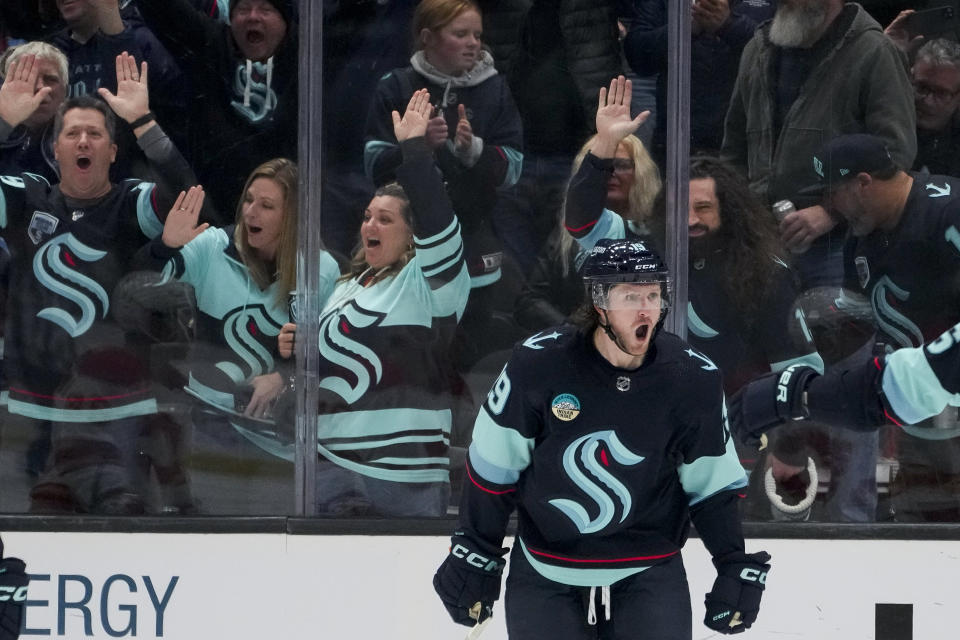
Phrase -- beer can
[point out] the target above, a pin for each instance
(782, 208)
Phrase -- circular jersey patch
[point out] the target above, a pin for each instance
(566, 407)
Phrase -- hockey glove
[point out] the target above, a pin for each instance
(768, 401)
(13, 595)
(734, 601)
(468, 581)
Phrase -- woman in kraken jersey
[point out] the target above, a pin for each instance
(242, 276)
(608, 438)
(385, 333)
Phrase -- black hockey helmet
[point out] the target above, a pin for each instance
(612, 262)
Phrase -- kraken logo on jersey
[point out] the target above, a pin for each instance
(896, 325)
(257, 99)
(589, 454)
(339, 349)
(54, 266)
(240, 326)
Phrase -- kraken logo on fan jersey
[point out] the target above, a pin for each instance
(239, 328)
(54, 266)
(339, 349)
(256, 99)
(896, 325)
(588, 454)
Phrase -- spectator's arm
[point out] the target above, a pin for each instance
(179, 25)
(381, 154)
(734, 147)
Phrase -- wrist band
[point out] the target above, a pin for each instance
(147, 118)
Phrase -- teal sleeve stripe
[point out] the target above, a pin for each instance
(150, 224)
(811, 360)
(912, 388)
(270, 445)
(514, 166)
(485, 280)
(3, 209)
(609, 225)
(411, 461)
(424, 244)
(391, 475)
(209, 394)
(500, 446)
(489, 471)
(445, 262)
(386, 442)
(710, 475)
(451, 298)
(372, 151)
(697, 326)
(38, 412)
(579, 577)
(383, 422)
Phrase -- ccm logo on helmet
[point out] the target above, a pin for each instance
(17, 594)
(753, 575)
(475, 559)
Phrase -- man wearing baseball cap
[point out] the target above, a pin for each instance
(904, 256)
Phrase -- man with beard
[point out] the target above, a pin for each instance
(741, 294)
(821, 68)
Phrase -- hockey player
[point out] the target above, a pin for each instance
(608, 438)
(905, 387)
(70, 244)
(13, 595)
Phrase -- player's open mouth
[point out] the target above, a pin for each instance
(642, 331)
(84, 163)
(255, 37)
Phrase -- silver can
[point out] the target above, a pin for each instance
(782, 208)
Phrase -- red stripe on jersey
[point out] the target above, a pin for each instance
(579, 229)
(602, 560)
(483, 488)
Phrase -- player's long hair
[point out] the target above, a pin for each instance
(748, 234)
(283, 269)
(640, 200)
(358, 262)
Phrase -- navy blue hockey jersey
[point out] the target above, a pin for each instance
(603, 464)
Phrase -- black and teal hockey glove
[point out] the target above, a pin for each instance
(13, 595)
(734, 601)
(769, 401)
(468, 581)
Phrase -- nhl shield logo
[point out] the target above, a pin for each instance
(623, 383)
(42, 226)
(565, 406)
(863, 271)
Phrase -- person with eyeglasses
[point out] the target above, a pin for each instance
(935, 76)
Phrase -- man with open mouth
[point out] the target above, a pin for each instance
(608, 436)
(66, 361)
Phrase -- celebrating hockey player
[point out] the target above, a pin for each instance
(903, 388)
(608, 438)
